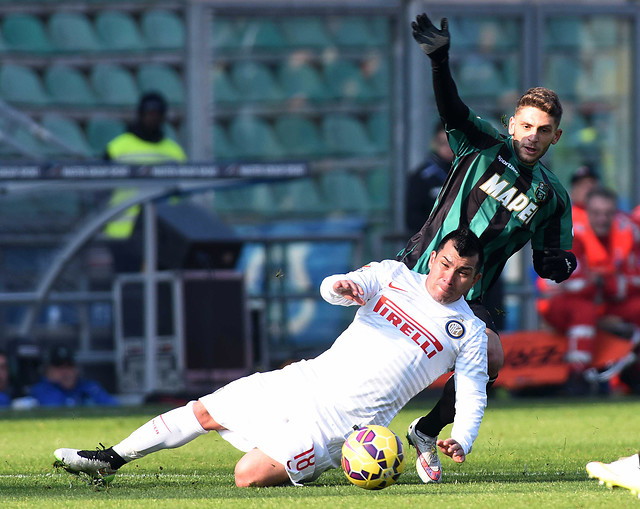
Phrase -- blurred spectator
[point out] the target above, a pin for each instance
(144, 142)
(61, 384)
(5, 389)
(606, 283)
(583, 180)
(425, 182)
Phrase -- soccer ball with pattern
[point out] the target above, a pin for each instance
(372, 457)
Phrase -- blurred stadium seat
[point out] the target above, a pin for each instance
(72, 31)
(305, 32)
(564, 32)
(479, 76)
(25, 32)
(344, 134)
(378, 182)
(378, 128)
(162, 29)
(225, 34)
(67, 85)
(563, 73)
(21, 85)
(101, 130)
(223, 90)
(299, 136)
(118, 31)
(161, 78)
(260, 33)
(254, 81)
(344, 190)
(350, 31)
(298, 196)
(254, 138)
(114, 85)
(345, 81)
(302, 81)
(223, 149)
(68, 131)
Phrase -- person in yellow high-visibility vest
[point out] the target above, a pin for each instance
(144, 142)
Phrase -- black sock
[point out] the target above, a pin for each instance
(115, 460)
(444, 411)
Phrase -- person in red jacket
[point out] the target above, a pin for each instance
(606, 282)
(583, 180)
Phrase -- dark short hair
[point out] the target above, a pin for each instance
(544, 99)
(466, 243)
(152, 101)
(602, 192)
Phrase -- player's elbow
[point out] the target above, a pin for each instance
(244, 476)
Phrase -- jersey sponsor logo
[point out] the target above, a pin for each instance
(388, 309)
(542, 192)
(455, 329)
(508, 165)
(508, 196)
(394, 287)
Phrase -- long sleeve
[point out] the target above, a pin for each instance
(471, 391)
(452, 110)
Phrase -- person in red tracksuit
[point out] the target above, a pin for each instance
(606, 282)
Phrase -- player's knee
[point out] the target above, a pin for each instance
(246, 475)
(495, 353)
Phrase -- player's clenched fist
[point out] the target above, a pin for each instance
(349, 290)
(434, 42)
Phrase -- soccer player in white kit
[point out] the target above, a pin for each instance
(409, 330)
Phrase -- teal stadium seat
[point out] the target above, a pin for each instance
(565, 32)
(378, 183)
(33, 147)
(254, 138)
(498, 33)
(254, 81)
(299, 136)
(223, 149)
(604, 31)
(118, 31)
(161, 78)
(299, 196)
(261, 33)
(379, 130)
(345, 135)
(355, 31)
(346, 81)
(68, 131)
(379, 80)
(68, 86)
(224, 92)
(463, 30)
(25, 32)
(563, 74)
(305, 32)
(479, 77)
(344, 190)
(101, 130)
(21, 85)
(225, 34)
(302, 81)
(162, 29)
(73, 32)
(114, 85)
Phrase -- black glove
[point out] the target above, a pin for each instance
(434, 42)
(553, 263)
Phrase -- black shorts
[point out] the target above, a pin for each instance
(482, 312)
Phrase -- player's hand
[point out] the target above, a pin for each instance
(555, 264)
(452, 449)
(434, 42)
(349, 290)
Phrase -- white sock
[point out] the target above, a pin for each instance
(167, 431)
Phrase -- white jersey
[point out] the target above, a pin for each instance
(399, 342)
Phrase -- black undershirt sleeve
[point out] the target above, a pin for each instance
(452, 110)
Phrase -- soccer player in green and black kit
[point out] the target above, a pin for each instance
(498, 188)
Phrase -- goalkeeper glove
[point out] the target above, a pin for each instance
(553, 263)
(434, 42)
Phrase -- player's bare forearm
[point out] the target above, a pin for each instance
(452, 449)
(349, 290)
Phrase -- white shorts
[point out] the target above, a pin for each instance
(263, 411)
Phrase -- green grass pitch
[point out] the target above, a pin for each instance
(530, 453)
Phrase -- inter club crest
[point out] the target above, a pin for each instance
(541, 193)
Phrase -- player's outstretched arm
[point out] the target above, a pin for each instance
(349, 290)
(452, 449)
(434, 42)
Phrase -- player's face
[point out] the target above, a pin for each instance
(450, 275)
(533, 131)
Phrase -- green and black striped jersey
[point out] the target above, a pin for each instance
(504, 202)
